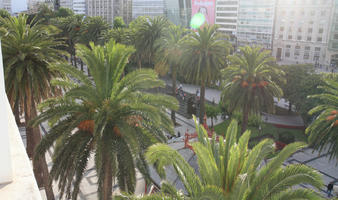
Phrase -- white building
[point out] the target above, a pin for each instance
(301, 31)
(226, 15)
(148, 8)
(78, 6)
(255, 22)
(6, 4)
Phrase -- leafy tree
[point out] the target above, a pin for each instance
(109, 115)
(323, 130)
(64, 12)
(4, 13)
(118, 23)
(230, 170)
(169, 54)
(93, 29)
(294, 75)
(250, 82)
(212, 111)
(203, 56)
(146, 31)
(28, 51)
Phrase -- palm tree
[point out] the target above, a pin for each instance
(111, 116)
(230, 170)
(323, 130)
(250, 82)
(28, 51)
(204, 53)
(169, 54)
(146, 32)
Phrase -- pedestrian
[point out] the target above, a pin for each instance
(329, 189)
(178, 134)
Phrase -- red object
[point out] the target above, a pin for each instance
(279, 145)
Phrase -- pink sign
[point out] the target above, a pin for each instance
(205, 7)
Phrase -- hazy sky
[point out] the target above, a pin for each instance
(19, 5)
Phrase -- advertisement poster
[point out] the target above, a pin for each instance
(206, 8)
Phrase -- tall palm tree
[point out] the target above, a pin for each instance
(230, 170)
(169, 54)
(204, 54)
(28, 51)
(251, 82)
(111, 116)
(323, 130)
(146, 32)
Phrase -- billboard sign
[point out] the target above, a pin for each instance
(205, 8)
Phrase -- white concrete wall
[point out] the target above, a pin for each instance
(5, 166)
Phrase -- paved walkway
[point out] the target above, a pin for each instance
(214, 94)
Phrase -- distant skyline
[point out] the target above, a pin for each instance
(19, 5)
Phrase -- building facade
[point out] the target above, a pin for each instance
(6, 5)
(332, 53)
(150, 8)
(226, 15)
(255, 22)
(302, 31)
(103, 8)
(178, 11)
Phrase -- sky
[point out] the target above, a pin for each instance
(19, 5)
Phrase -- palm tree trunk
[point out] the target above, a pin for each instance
(139, 62)
(75, 63)
(40, 167)
(202, 103)
(245, 118)
(212, 122)
(17, 113)
(81, 62)
(290, 106)
(108, 177)
(173, 77)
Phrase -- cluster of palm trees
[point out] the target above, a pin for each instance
(109, 115)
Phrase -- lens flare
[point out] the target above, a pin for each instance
(197, 20)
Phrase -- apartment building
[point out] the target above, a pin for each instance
(332, 52)
(6, 4)
(227, 15)
(150, 8)
(255, 22)
(302, 31)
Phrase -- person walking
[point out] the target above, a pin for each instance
(329, 189)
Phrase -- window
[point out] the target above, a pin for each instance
(290, 37)
(299, 30)
(281, 28)
(309, 30)
(299, 37)
(281, 36)
(322, 13)
(319, 39)
(317, 48)
(288, 46)
(287, 54)
(312, 13)
(306, 56)
(308, 38)
(335, 36)
(321, 30)
(297, 47)
(307, 48)
(310, 22)
(296, 53)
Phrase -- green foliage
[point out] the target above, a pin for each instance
(64, 12)
(118, 23)
(28, 52)
(204, 53)
(251, 82)
(229, 170)
(212, 110)
(108, 115)
(301, 81)
(323, 130)
(4, 13)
